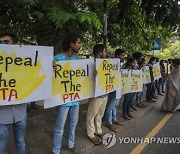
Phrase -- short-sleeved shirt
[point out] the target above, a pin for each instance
(12, 113)
(62, 57)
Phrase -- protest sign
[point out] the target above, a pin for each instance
(107, 76)
(136, 81)
(25, 73)
(124, 82)
(73, 80)
(146, 75)
(156, 71)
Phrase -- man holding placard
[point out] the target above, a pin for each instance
(71, 45)
(96, 106)
(14, 115)
(112, 102)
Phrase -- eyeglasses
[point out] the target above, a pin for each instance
(4, 42)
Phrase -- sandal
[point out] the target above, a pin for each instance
(118, 123)
(74, 150)
(95, 140)
(134, 108)
(112, 128)
(100, 135)
(143, 105)
(126, 117)
(139, 105)
(129, 115)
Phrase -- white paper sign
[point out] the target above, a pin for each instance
(25, 73)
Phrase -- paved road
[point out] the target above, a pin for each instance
(141, 128)
(39, 134)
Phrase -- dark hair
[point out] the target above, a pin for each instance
(10, 34)
(152, 59)
(129, 60)
(141, 62)
(98, 48)
(118, 52)
(70, 38)
(176, 61)
(157, 59)
(137, 55)
(161, 62)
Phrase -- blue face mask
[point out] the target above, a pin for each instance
(3, 42)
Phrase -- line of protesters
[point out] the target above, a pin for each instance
(107, 105)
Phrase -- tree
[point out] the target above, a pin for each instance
(132, 24)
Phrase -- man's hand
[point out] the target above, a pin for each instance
(54, 65)
(95, 73)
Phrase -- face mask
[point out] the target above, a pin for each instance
(3, 42)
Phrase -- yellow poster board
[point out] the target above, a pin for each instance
(73, 80)
(146, 75)
(156, 71)
(136, 81)
(124, 81)
(107, 76)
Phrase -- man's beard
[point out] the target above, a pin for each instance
(76, 51)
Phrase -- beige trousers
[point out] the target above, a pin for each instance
(94, 115)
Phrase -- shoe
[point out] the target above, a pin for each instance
(100, 135)
(148, 100)
(126, 117)
(112, 128)
(74, 150)
(118, 123)
(154, 97)
(160, 94)
(163, 92)
(152, 100)
(95, 140)
(134, 108)
(140, 105)
(143, 105)
(129, 115)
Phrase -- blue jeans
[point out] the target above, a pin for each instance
(127, 102)
(19, 129)
(111, 110)
(62, 112)
(139, 97)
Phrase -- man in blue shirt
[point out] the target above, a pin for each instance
(71, 45)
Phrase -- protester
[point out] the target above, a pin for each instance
(12, 115)
(169, 68)
(172, 96)
(96, 106)
(155, 84)
(130, 64)
(162, 78)
(150, 86)
(70, 45)
(139, 95)
(112, 104)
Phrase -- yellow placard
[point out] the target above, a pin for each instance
(107, 76)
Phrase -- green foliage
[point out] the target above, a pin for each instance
(173, 51)
(132, 24)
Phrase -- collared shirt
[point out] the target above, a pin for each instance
(62, 57)
(12, 113)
